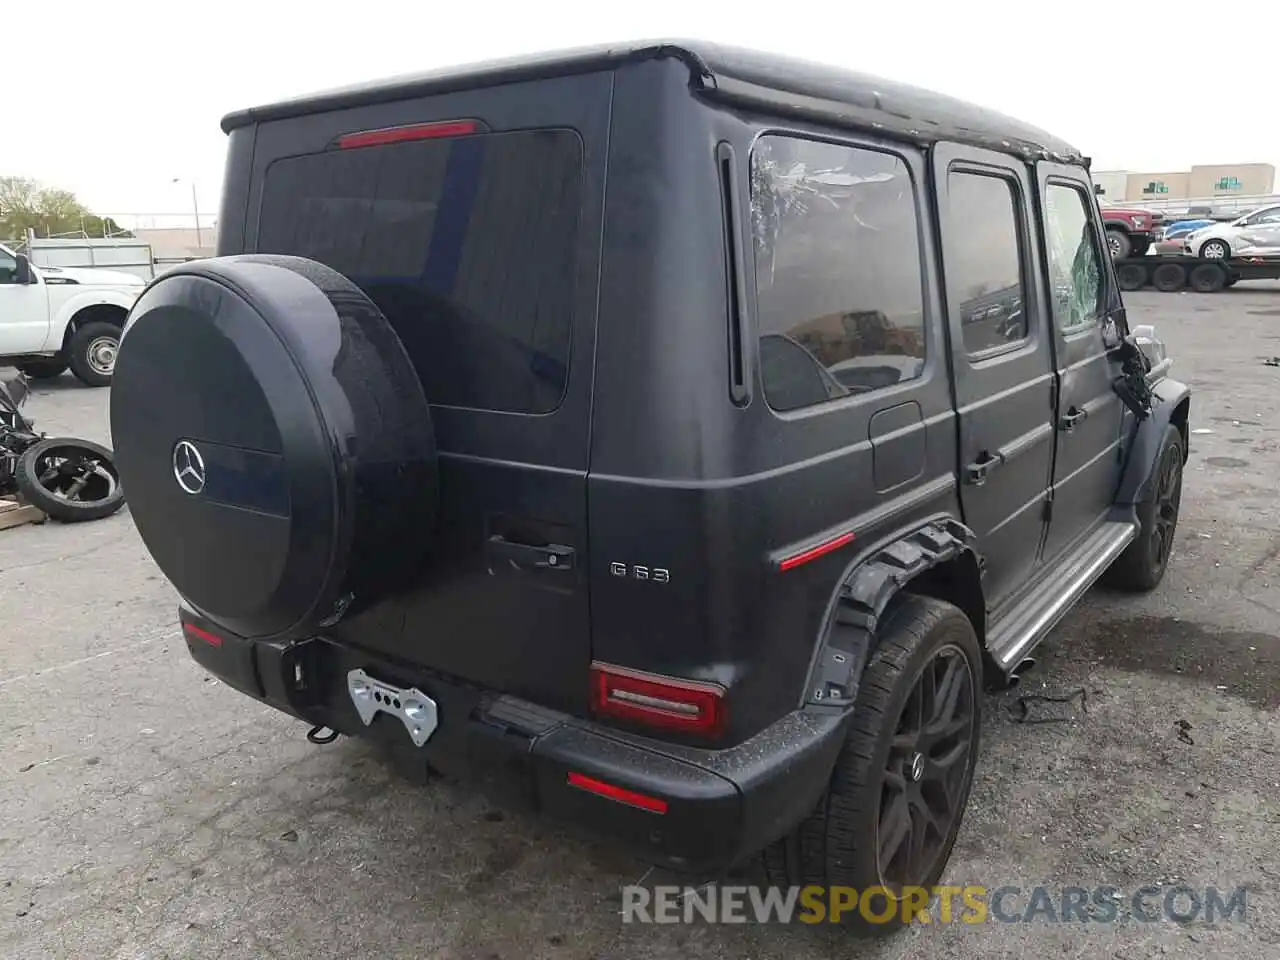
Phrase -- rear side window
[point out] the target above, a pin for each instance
(838, 284)
(468, 245)
(984, 269)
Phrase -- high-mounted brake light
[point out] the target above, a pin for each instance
(413, 131)
(210, 638)
(618, 794)
(657, 701)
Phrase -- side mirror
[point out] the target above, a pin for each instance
(22, 269)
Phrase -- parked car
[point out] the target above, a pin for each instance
(1168, 239)
(52, 318)
(547, 423)
(1130, 230)
(1180, 228)
(1254, 234)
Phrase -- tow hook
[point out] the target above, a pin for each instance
(317, 736)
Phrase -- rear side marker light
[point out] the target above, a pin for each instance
(618, 794)
(413, 131)
(210, 638)
(813, 553)
(657, 701)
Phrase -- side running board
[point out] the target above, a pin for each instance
(1017, 634)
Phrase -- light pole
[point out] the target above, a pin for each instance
(195, 208)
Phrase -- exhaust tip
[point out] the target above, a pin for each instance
(1023, 666)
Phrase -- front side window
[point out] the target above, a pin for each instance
(467, 244)
(984, 268)
(1075, 265)
(8, 267)
(838, 283)
(1269, 216)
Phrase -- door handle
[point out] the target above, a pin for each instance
(976, 472)
(552, 556)
(1069, 420)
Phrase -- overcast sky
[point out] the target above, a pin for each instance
(122, 98)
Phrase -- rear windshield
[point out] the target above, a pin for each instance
(466, 244)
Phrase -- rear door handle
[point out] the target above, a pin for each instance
(1069, 420)
(551, 556)
(976, 472)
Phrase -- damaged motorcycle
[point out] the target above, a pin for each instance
(66, 478)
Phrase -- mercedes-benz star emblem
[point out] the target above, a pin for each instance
(188, 467)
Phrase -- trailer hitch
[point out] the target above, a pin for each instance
(319, 738)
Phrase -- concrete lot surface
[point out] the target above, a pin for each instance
(147, 811)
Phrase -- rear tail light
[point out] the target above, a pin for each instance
(657, 701)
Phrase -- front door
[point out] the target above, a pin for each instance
(1001, 357)
(24, 310)
(1089, 412)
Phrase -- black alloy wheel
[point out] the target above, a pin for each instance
(1168, 501)
(1144, 561)
(924, 777)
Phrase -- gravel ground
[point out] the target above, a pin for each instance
(148, 811)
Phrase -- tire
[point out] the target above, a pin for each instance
(1142, 565)
(40, 477)
(1208, 278)
(1215, 250)
(1139, 248)
(92, 353)
(284, 430)
(1131, 276)
(838, 843)
(45, 368)
(1168, 277)
(1119, 244)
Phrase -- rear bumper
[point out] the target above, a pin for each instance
(721, 806)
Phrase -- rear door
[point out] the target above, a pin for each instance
(473, 220)
(1000, 351)
(1089, 412)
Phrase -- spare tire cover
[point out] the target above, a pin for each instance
(273, 443)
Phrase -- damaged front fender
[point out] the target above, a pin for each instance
(1170, 403)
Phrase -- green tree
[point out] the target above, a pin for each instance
(27, 205)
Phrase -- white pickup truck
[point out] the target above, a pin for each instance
(52, 318)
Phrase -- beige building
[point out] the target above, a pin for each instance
(1158, 186)
(1240, 180)
(1112, 184)
(1208, 180)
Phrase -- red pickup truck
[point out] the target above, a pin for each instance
(1130, 230)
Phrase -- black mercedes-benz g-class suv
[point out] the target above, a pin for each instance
(671, 437)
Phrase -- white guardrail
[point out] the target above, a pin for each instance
(1217, 207)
